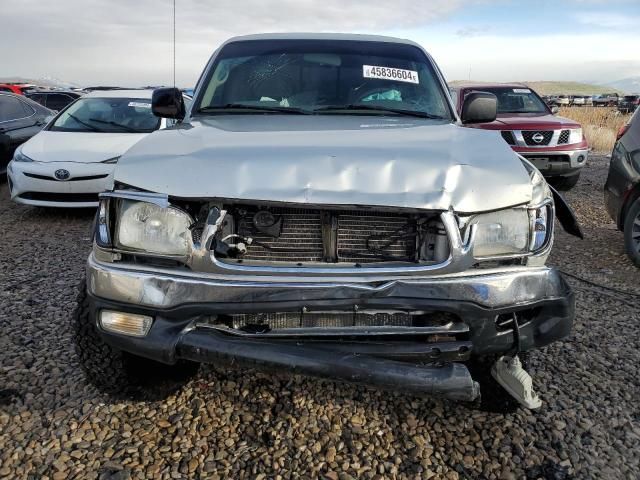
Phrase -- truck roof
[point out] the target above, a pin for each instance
(322, 36)
(489, 85)
(142, 94)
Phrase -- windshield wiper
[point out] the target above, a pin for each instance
(116, 124)
(257, 108)
(376, 108)
(88, 125)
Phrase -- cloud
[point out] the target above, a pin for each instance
(501, 58)
(130, 43)
(473, 31)
(608, 20)
(106, 41)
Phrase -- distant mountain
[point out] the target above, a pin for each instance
(627, 85)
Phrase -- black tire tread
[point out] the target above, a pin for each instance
(632, 213)
(565, 183)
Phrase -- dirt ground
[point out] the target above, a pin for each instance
(236, 423)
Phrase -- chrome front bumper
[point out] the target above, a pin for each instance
(577, 160)
(418, 360)
(164, 289)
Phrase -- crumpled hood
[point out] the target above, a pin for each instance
(82, 147)
(332, 159)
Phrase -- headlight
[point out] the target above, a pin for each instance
(501, 233)
(18, 156)
(540, 227)
(575, 135)
(111, 160)
(149, 228)
(516, 231)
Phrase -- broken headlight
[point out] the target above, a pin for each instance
(516, 231)
(505, 232)
(150, 228)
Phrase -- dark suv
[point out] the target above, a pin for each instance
(20, 119)
(622, 189)
(54, 100)
(629, 103)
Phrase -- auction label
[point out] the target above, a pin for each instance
(139, 104)
(388, 73)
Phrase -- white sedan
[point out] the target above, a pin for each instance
(72, 159)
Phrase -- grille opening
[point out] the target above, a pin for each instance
(60, 197)
(504, 321)
(299, 236)
(550, 158)
(564, 137)
(544, 137)
(72, 179)
(266, 322)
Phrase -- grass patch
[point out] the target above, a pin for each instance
(600, 125)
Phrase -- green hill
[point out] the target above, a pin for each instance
(559, 88)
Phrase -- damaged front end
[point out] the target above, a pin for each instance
(399, 298)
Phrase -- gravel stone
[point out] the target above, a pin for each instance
(238, 423)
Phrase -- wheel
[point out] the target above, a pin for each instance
(493, 397)
(118, 373)
(632, 233)
(564, 183)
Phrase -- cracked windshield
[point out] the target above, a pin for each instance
(313, 77)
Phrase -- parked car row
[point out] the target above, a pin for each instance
(568, 100)
(625, 104)
(52, 98)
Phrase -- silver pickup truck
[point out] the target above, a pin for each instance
(321, 209)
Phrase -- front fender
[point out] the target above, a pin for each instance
(565, 215)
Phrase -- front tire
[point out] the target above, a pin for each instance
(632, 233)
(118, 373)
(565, 183)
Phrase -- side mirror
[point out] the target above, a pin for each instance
(167, 103)
(479, 107)
(555, 109)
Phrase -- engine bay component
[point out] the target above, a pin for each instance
(267, 223)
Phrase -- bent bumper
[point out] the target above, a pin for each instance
(182, 303)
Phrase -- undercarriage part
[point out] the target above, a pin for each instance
(510, 374)
(450, 380)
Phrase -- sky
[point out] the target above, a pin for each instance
(121, 42)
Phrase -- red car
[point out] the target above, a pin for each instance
(555, 145)
(17, 88)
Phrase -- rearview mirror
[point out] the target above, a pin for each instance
(479, 107)
(555, 109)
(168, 103)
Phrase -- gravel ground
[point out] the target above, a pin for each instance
(233, 423)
